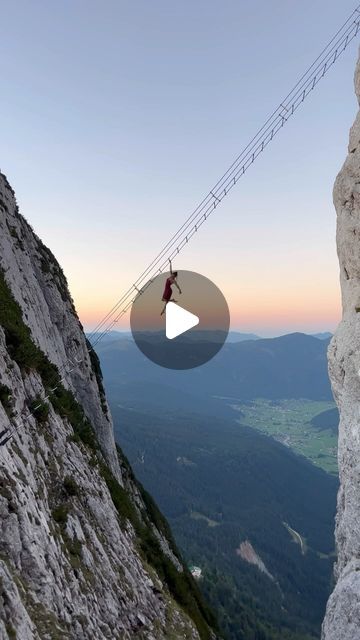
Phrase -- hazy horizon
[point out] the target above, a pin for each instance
(275, 335)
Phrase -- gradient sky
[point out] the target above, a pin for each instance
(117, 117)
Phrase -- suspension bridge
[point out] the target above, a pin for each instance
(284, 110)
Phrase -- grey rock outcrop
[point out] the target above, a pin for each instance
(342, 619)
(71, 515)
(39, 286)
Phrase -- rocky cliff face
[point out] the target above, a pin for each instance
(84, 552)
(342, 620)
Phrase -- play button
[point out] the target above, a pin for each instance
(178, 320)
(180, 328)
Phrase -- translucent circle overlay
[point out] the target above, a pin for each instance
(196, 346)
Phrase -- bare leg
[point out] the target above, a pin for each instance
(164, 309)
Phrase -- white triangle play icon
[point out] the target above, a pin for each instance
(178, 320)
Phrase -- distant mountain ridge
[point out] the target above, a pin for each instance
(327, 419)
(290, 366)
(233, 336)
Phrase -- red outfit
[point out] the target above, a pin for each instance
(168, 290)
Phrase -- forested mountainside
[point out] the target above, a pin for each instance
(231, 486)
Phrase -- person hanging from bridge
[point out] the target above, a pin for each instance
(168, 288)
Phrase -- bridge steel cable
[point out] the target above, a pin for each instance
(274, 123)
(238, 168)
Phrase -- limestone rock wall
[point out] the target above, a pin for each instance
(342, 619)
(39, 286)
(70, 564)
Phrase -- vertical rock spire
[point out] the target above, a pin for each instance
(342, 619)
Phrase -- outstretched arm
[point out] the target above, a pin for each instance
(175, 283)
